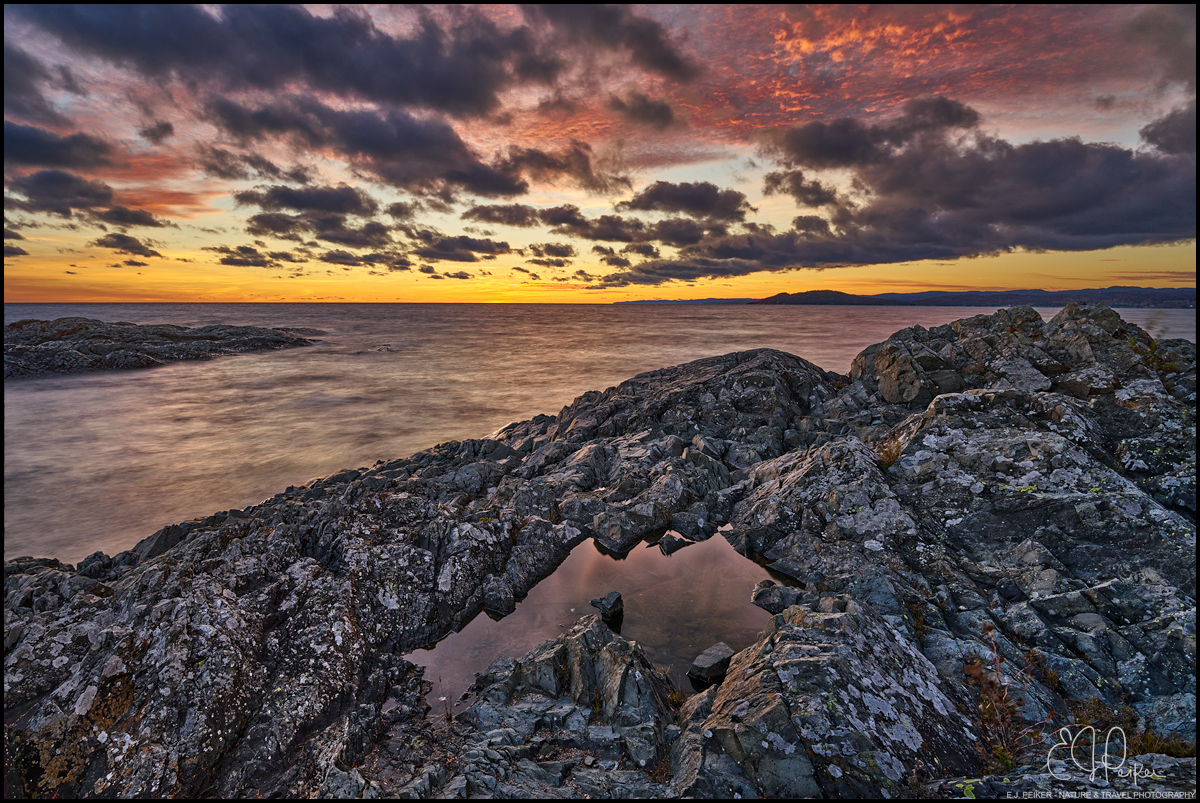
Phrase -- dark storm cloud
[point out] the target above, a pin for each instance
(617, 27)
(561, 250)
(58, 192)
(243, 166)
(323, 212)
(1170, 30)
(333, 229)
(700, 199)
(642, 249)
(461, 249)
(403, 210)
(342, 199)
(424, 155)
(9, 234)
(124, 244)
(573, 162)
(644, 110)
(15, 251)
(807, 192)
(27, 145)
(679, 232)
(243, 256)
(124, 216)
(157, 132)
(609, 257)
(504, 214)
(1174, 132)
(22, 95)
(848, 142)
(930, 186)
(459, 69)
(567, 219)
(341, 258)
(274, 224)
(459, 66)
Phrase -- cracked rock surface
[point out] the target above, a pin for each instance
(1001, 488)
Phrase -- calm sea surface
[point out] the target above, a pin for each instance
(100, 461)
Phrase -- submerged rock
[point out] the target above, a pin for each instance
(999, 506)
(84, 345)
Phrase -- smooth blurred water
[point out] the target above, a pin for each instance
(100, 461)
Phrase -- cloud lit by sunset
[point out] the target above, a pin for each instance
(593, 153)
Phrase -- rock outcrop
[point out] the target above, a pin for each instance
(84, 345)
(998, 509)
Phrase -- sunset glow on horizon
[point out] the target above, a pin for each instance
(593, 154)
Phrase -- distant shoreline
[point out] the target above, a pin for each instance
(1115, 297)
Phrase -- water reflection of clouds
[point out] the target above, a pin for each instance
(676, 606)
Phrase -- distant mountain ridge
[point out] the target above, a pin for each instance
(1147, 297)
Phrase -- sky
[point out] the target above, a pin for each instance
(593, 154)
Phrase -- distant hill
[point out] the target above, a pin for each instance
(1146, 297)
(695, 301)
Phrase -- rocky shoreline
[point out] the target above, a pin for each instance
(84, 345)
(989, 528)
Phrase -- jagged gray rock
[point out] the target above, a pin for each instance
(1000, 493)
(84, 345)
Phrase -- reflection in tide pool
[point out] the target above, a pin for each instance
(676, 606)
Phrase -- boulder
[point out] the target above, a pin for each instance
(710, 666)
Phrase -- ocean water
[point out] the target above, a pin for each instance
(100, 461)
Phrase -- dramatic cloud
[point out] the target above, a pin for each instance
(15, 251)
(124, 244)
(26, 145)
(461, 249)
(231, 166)
(59, 192)
(460, 66)
(553, 250)
(243, 256)
(342, 199)
(849, 142)
(22, 95)
(644, 110)
(377, 136)
(124, 216)
(1174, 133)
(926, 191)
(157, 132)
(418, 154)
(807, 192)
(646, 41)
(700, 199)
(504, 214)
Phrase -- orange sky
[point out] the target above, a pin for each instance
(714, 151)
